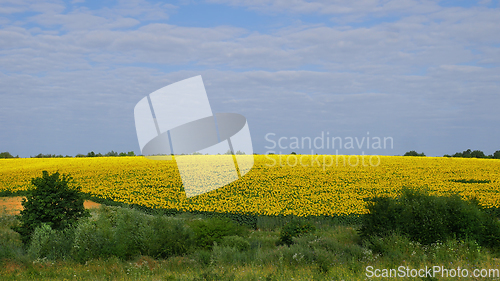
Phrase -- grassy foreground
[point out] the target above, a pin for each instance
(333, 252)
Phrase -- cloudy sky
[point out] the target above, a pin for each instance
(425, 73)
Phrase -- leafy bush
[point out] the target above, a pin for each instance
(212, 230)
(51, 244)
(94, 237)
(163, 237)
(126, 233)
(429, 219)
(295, 228)
(237, 242)
(53, 202)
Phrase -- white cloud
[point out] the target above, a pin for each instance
(351, 9)
(418, 76)
(141, 9)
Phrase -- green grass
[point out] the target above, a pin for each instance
(334, 252)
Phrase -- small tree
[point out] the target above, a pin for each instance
(53, 202)
(496, 155)
(6, 154)
(477, 154)
(111, 153)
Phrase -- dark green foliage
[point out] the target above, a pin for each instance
(242, 219)
(212, 230)
(40, 155)
(471, 154)
(477, 154)
(111, 153)
(10, 193)
(127, 233)
(429, 219)
(94, 237)
(52, 201)
(465, 154)
(164, 237)
(93, 154)
(5, 155)
(295, 228)
(413, 153)
(474, 154)
(496, 155)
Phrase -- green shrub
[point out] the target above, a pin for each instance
(93, 238)
(430, 219)
(127, 233)
(208, 231)
(51, 244)
(163, 237)
(53, 202)
(295, 228)
(238, 242)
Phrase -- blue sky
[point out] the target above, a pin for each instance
(424, 73)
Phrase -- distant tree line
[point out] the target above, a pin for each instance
(465, 154)
(475, 154)
(90, 154)
(413, 153)
(40, 155)
(109, 154)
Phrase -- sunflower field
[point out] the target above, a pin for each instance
(300, 185)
